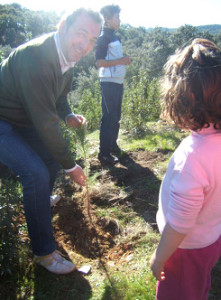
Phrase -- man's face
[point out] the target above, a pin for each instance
(78, 39)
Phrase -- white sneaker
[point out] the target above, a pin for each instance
(55, 263)
(54, 199)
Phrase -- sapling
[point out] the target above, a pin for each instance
(80, 134)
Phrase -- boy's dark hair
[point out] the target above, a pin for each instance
(191, 86)
(108, 11)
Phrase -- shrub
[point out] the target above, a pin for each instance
(90, 106)
(10, 207)
(141, 103)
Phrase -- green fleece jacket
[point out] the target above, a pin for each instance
(33, 92)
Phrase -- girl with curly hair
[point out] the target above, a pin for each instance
(189, 214)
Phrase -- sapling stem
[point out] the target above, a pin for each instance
(80, 134)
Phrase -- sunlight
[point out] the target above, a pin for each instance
(140, 13)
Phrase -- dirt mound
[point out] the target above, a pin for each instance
(127, 183)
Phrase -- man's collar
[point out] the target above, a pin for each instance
(65, 65)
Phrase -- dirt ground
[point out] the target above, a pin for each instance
(130, 188)
(80, 232)
(132, 183)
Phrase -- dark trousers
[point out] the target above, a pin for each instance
(23, 152)
(112, 94)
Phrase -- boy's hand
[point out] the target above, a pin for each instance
(126, 60)
(157, 268)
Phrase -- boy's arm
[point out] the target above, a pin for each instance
(170, 241)
(125, 60)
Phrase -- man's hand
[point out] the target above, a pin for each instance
(76, 121)
(78, 176)
(157, 268)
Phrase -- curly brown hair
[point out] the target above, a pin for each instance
(191, 86)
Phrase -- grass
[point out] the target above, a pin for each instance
(156, 138)
(128, 277)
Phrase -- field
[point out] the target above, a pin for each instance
(116, 235)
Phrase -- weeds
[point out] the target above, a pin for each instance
(10, 201)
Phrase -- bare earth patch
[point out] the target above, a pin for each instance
(130, 183)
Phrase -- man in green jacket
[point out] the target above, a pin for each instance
(34, 82)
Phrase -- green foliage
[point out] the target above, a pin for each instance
(213, 29)
(12, 25)
(150, 48)
(81, 140)
(10, 201)
(40, 22)
(90, 105)
(18, 25)
(127, 288)
(4, 52)
(157, 47)
(83, 147)
(70, 139)
(141, 103)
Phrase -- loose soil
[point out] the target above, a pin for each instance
(131, 183)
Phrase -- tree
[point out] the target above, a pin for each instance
(157, 48)
(39, 22)
(18, 25)
(4, 52)
(12, 25)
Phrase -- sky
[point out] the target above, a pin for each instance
(144, 13)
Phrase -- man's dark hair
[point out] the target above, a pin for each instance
(108, 11)
(71, 19)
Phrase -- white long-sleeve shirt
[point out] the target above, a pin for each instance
(190, 194)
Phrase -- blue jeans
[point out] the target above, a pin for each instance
(23, 152)
(112, 94)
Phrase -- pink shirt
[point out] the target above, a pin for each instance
(190, 194)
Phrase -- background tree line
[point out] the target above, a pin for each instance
(148, 48)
